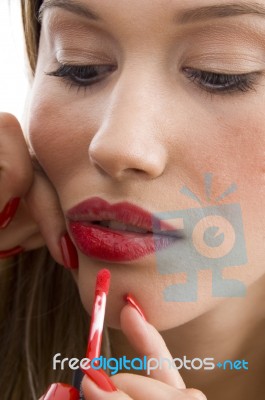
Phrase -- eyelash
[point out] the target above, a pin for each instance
(222, 83)
(83, 76)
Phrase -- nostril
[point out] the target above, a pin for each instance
(138, 170)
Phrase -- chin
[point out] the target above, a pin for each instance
(147, 286)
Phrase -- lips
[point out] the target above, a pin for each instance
(118, 232)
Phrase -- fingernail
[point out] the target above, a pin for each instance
(132, 302)
(70, 257)
(61, 391)
(11, 252)
(101, 379)
(8, 212)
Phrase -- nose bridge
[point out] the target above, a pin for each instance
(135, 104)
(129, 136)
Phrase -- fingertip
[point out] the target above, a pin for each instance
(129, 298)
(196, 394)
(61, 391)
(91, 390)
(132, 324)
(63, 250)
(8, 120)
(69, 253)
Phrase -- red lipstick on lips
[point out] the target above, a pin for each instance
(117, 232)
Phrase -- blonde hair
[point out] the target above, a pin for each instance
(40, 312)
(31, 31)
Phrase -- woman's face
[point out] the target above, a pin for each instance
(132, 101)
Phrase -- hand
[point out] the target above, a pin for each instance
(163, 383)
(30, 215)
(60, 391)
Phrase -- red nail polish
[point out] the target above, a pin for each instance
(131, 300)
(61, 391)
(101, 379)
(11, 252)
(8, 212)
(69, 252)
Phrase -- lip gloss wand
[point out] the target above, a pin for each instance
(96, 328)
(98, 314)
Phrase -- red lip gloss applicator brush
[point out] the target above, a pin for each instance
(98, 314)
(99, 376)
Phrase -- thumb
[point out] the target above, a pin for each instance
(147, 341)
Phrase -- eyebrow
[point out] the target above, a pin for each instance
(69, 5)
(220, 11)
(183, 17)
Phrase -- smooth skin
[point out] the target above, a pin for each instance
(140, 134)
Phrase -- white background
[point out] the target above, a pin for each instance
(13, 66)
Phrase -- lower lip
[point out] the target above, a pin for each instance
(116, 246)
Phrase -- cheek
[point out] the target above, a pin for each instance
(232, 148)
(59, 133)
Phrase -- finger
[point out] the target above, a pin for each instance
(44, 206)
(197, 394)
(140, 387)
(35, 241)
(59, 391)
(16, 176)
(92, 392)
(18, 179)
(21, 230)
(146, 340)
(16, 171)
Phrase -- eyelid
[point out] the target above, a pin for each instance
(81, 56)
(222, 84)
(68, 70)
(220, 72)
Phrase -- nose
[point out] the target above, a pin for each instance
(129, 141)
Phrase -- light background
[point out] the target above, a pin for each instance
(13, 65)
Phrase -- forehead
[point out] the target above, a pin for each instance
(176, 10)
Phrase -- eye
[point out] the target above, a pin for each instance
(222, 83)
(82, 75)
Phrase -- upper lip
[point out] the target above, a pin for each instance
(97, 209)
